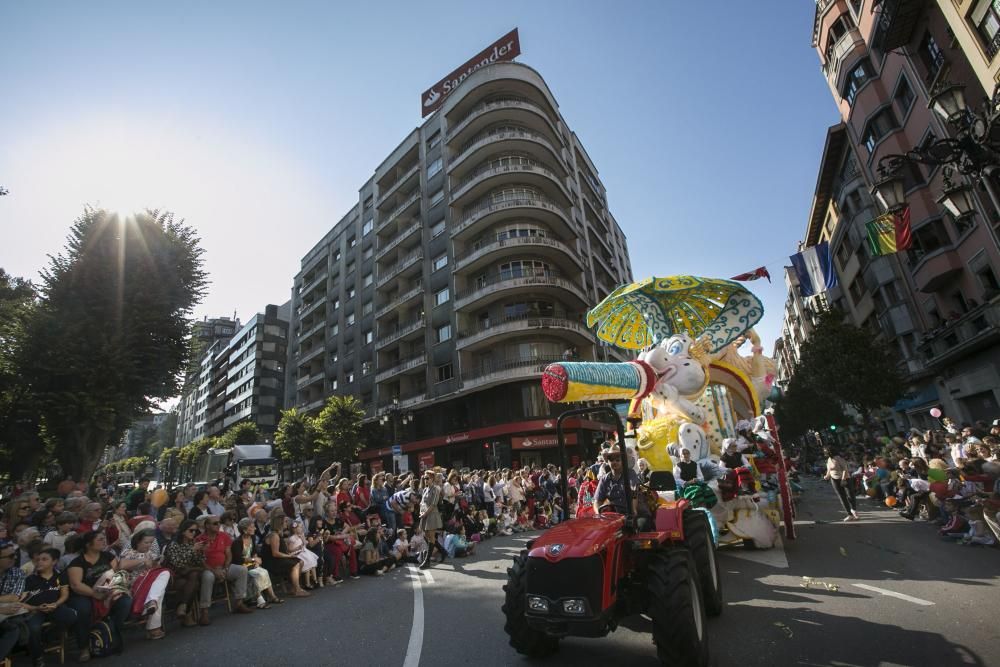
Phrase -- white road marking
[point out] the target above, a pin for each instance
(426, 574)
(894, 594)
(416, 644)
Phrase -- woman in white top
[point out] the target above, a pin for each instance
(839, 474)
(515, 493)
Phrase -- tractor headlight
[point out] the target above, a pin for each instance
(538, 604)
(574, 606)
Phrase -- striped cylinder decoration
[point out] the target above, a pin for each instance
(570, 382)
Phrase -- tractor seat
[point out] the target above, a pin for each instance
(662, 480)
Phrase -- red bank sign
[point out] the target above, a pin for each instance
(506, 48)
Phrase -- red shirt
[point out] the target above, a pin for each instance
(362, 497)
(215, 549)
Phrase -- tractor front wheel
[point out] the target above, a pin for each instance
(525, 639)
(676, 609)
(698, 539)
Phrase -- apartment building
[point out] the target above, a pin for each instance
(466, 265)
(937, 302)
(797, 324)
(240, 377)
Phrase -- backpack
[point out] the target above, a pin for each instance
(103, 640)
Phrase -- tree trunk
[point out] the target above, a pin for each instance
(80, 460)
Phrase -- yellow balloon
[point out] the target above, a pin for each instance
(159, 497)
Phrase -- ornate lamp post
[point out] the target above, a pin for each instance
(398, 417)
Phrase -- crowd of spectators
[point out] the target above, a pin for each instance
(91, 561)
(948, 476)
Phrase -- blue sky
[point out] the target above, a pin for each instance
(257, 122)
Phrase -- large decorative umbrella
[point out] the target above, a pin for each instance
(644, 313)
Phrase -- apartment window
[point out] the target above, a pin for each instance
(437, 197)
(351, 242)
(986, 18)
(366, 368)
(336, 256)
(903, 96)
(350, 267)
(334, 357)
(443, 333)
(856, 78)
(434, 167)
(856, 7)
(350, 319)
(336, 304)
(988, 279)
(445, 372)
(335, 330)
(522, 309)
(441, 297)
(367, 308)
(351, 292)
(857, 289)
(367, 280)
(437, 230)
(369, 337)
(333, 384)
(879, 125)
(434, 139)
(931, 55)
(350, 377)
(837, 31)
(440, 261)
(524, 268)
(913, 176)
(368, 253)
(929, 238)
(844, 254)
(891, 293)
(369, 200)
(368, 227)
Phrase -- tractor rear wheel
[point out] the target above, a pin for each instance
(698, 539)
(525, 639)
(676, 609)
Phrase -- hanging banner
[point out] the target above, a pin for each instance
(889, 233)
(425, 460)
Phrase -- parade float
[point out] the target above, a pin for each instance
(692, 388)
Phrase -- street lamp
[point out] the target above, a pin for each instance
(397, 416)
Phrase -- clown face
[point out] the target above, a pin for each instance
(674, 364)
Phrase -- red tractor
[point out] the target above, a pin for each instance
(581, 577)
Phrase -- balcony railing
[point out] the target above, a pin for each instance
(395, 184)
(490, 247)
(400, 402)
(400, 331)
(511, 102)
(511, 280)
(487, 206)
(386, 274)
(319, 280)
(398, 238)
(519, 323)
(502, 134)
(312, 330)
(510, 368)
(400, 299)
(482, 173)
(956, 337)
(401, 366)
(309, 356)
(835, 54)
(309, 379)
(304, 312)
(389, 219)
(993, 46)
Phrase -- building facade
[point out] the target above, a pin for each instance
(467, 264)
(975, 25)
(240, 377)
(937, 302)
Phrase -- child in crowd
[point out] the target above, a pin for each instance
(56, 539)
(507, 522)
(45, 595)
(418, 545)
(401, 547)
(296, 543)
(457, 545)
(523, 523)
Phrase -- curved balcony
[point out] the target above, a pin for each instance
(402, 366)
(481, 336)
(515, 108)
(547, 283)
(505, 371)
(479, 216)
(936, 270)
(512, 139)
(483, 179)
(487, 252)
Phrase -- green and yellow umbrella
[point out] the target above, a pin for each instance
(644, 313)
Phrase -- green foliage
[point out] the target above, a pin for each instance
(295, 439)
(189, 453)
(241, 433)
(840, 364)
(111, 333)
(339, 428)
(167, 432)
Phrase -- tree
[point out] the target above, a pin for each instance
(339, 428)
(240, 433)
(806, 407)
(111, 333)
(167, 432)
(295, 439)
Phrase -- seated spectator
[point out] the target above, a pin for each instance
(339, 543)
(456, 544)
(214, 502)
(276, 557)
(219, 566)
(372, 562)
(166, 533)
(296, 544)
(56, 539)
(199, 507)
(245, 550)
(120, 522)
(186, 559)
(228, 519)
(45, 596)
(11, 589)
(73, 546)
(90, 600)
(401, 548)
(147, 579)
(144, 513)
(89, 518)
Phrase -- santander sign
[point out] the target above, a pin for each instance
(504, 49)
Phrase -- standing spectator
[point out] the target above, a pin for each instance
(430, 518)
(86, 598)
(362, 494)
(220, 567)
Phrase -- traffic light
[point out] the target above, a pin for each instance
(833, 427)
(486, 445)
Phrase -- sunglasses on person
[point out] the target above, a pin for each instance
(192, 530)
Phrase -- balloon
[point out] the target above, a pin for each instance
(890, 501)
(159, 497)
(936, 413)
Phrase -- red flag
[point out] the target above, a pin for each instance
(760, 272)
(904, 238)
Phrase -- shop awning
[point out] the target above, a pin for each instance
(926, 394)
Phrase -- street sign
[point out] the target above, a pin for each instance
(397, 450)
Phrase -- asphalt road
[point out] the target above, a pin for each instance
(903, 597)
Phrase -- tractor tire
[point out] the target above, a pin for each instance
(525, 639)
(698, 539)
(679, 622)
